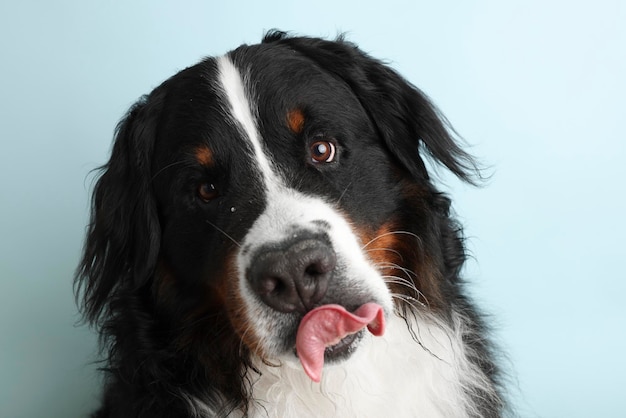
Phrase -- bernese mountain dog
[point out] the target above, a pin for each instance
(266, 241)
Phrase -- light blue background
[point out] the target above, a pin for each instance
(538, 87)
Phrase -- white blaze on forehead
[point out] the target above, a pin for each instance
(243, 110)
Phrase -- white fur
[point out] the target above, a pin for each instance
(388, 376)
(243, 113)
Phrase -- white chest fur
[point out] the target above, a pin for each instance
(389, 376)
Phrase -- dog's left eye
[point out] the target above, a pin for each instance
(323, 151)
(207, 192)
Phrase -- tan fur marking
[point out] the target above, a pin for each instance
(231, 298)
(398, 256)
(295, 120)
(204, 156)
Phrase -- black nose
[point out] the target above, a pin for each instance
(294, 276)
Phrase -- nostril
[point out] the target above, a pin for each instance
(313, 270)
(323, 264)
(269, 285)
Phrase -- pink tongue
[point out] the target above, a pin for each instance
(326, 326)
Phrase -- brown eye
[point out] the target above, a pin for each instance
(323, 152)
(207, 192)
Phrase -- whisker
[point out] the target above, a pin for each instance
(344, 192)
(223, 232)
(166, 167)
(391, 233)
(389, 265)
(399, 280)
(416, 333)
(409, 300)
(386, 249)
(410, 285)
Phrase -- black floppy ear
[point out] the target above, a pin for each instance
(123, 237)
(404, 116)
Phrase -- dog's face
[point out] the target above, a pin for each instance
(271, 181)
(265, 183)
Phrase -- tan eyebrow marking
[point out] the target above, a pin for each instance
(295, 120)
(204, 155)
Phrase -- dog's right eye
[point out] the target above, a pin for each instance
(322, 151)
(207, 191)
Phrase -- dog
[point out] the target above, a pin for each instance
(266, 240)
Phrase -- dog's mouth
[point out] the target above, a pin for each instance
(343, 347)
(330, 332)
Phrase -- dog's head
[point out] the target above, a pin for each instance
(249, 189)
